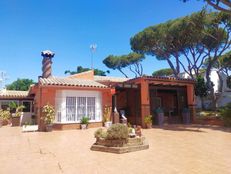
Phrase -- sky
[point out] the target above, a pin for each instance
(69, 27)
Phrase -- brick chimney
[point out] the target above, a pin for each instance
(46, 63)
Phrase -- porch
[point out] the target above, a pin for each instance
(142, 96)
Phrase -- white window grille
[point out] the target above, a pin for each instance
(91, 107)
(70, 108)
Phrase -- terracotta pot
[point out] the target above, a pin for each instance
(148, 125)
(49, 127)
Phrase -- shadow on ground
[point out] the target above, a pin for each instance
(192, 128)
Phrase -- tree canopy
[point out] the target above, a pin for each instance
(192, 38)
(222, 5)
(131, 60)
(80, 69)
(20, 84)
(163, 72)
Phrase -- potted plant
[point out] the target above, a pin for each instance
(17, 112)
(107, 116)
(48, 116)
(186, 116)
(148, 121)
(160, 116)
(84, 122)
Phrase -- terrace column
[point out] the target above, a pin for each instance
(191, 101)
(145, 102)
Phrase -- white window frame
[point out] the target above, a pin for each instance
(61, 96)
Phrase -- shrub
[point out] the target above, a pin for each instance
(226, 115)
(48, 114)
(4, 114)
(117, 131)
(148, 119)
(100, 133)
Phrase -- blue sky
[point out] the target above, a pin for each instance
(69, 27)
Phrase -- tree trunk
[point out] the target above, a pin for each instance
(220, 89)
(210, 86)
(202, 103)
(123, 73)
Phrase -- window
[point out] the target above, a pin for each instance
(91, 107)
(81, 107)
(78, 107)
(70, 108)
(27, 106)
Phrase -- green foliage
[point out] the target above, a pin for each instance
(20, 84)
(18, 108)
(201, 88)
(148, 119)
(4, 114)
(117, 131)
(192, 38)
(84, 120)
(228, 81)
(131, 60)
(100, 133)
(80, 69)
(163, 72)
(226, 115)
(48, 114)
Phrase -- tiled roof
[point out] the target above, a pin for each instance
(169, 78)
(112, 79)
(66, 81)
(161, 78)
(11, 93)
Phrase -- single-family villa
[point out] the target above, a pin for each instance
(85, 94)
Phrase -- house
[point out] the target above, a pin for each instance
(84, 94)
(21, 98)
(221, 89)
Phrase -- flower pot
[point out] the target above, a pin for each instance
(49, 127)
(186, 117)
(83, 126)
(148, 125)
(160, 118)
(107, 124)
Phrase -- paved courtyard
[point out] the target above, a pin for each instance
(173, 149)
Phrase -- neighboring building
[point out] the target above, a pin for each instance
(224, 94)
(21, 98)
(84, 94)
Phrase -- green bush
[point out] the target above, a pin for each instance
(100, 133)
(226, 115)
(117, 131)
(4, 114)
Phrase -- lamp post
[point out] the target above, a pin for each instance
(93, 50)
(3, 78)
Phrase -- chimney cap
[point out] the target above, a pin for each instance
(47, 53)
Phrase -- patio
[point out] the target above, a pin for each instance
(173, 149)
